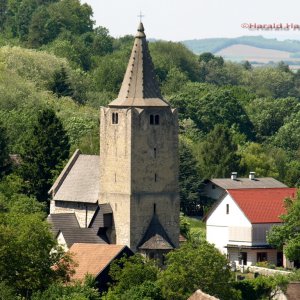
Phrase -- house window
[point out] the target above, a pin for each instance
(115, 118)
(262, 256)
(243, 258)
(227, 209)
(154, 119)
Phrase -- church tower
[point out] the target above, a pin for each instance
(139, 159)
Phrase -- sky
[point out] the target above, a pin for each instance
(178, 20)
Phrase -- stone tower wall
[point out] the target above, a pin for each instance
(139, 171)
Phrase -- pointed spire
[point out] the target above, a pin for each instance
(140, 87)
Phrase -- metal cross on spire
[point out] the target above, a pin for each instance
(141, 16)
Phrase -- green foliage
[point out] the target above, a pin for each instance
(287, 236)
(185, 226)
(262, 287)
(4, 155)
(25, 266)
(60, 84)
(75, 291)
(270, 82)
(189, 181)
(7, 292)
(47, 147)
(208, 105)
(218, 154)
(49, 21)
(196, 266)
(256, 158)
(288, 136)
(133, 276)
(167, 55)
(268, 115)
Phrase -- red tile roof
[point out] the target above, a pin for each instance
(262, 205)
(93, 258)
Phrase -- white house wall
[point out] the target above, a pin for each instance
(219, 222)
(233, 255)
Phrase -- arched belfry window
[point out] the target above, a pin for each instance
(115, 118)
(154, 119)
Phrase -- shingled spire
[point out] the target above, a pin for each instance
(139, 87)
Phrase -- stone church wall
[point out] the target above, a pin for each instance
(84, 211)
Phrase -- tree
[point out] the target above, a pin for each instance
(3, 12)
(196, 265)
(133, 277)
(28, 252)
(208, 105)
(60, 85)
(256, 158)
(48, 22)
(262, 287)
(268, 115)
(218, 154)
(287, 236)
(76, 291)
(4, 154)
(44, 152)
(189, 181)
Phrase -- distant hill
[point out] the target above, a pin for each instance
(216, 44)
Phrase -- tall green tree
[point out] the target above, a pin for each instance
(218, 154)
(4, 154)
(60, 84)
(189, 181)
(287, 236)
(44, 152)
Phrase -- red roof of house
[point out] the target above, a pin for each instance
(262, 205)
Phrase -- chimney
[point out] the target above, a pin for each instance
(233, 175)
(252, 175)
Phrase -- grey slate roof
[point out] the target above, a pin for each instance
(140, 87)
(81, 235)
(79, 181)
(62, 221)
(68, 225)
(155, 237)
(246, 183)
(102, 217)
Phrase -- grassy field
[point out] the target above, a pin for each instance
(197, 226)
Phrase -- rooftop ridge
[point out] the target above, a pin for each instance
(60, 179)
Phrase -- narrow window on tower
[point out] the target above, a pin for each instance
(155, 177)
(154, 208)
(156, 120)
(151, 119)
(115, 118)
(154, 152)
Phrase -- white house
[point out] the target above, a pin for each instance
(239, 221)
